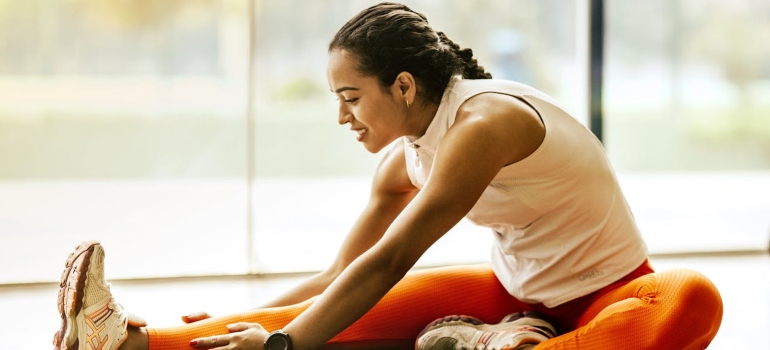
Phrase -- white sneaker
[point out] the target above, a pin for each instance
(516, 332)
(91, 319)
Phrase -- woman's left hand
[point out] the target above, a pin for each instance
(246, 336)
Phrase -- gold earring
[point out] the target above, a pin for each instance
(407, 103)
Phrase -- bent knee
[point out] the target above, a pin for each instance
(691, 290)
(691, 297)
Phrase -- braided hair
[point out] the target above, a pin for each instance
(390, 38)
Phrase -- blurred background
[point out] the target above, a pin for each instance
(199, 137)
(198, 140)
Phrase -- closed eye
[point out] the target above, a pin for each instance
(352, 100)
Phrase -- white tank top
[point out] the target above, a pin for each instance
(561, 224)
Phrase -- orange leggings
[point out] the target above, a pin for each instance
(677, 309)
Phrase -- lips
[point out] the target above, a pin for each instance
(360, 133)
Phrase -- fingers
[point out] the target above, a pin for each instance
(136, 321)
(210, 342)
(242, 335)
(242, 326)
(195, 317)
(237, 327)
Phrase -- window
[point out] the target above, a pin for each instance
(123, 122)
(129, 122)
(687, 103)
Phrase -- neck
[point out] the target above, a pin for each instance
(420, 115)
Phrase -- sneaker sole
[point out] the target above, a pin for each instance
(71, 290)
(532, 320)
(450, 320)
(447, 343)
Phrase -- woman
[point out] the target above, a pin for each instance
(568, 257)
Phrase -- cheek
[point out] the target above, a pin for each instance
(368, 113)
(378, 118)
(378, 114)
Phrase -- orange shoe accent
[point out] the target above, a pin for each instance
(94, 337)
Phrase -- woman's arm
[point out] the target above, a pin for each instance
(489, 133)
(391, 192)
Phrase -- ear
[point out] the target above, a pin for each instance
(405, 86)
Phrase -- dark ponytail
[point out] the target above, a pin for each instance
(390, 38)
(471, 69)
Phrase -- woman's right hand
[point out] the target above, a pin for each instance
(195, 317)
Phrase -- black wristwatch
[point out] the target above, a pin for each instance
(278, 340)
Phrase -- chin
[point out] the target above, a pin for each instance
(373, 148)
(377, 147)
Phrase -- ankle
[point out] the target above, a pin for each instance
(136, 339)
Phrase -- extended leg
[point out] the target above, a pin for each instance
(421, 297)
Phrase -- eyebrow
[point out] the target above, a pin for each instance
(346, 88)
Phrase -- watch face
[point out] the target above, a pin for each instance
(278, 341)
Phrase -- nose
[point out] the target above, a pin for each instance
(344, 116)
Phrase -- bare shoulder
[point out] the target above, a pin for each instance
(503, 119)
(390, 176)
(492, 106)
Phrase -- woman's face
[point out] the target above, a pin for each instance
(376, 115)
